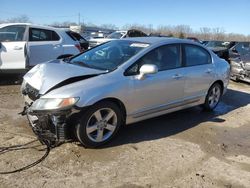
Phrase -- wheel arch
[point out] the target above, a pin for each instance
(219, 82)
(119, 103)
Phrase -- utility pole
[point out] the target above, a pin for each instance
(79, 17)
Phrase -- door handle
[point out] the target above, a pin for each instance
(18, 48)
(208, 71)
(177, 76)
(57, 46)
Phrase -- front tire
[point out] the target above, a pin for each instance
(213, 97)
(99, 124)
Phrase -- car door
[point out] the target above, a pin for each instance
(199, 71)
(13, 47)
(157, 92)
(43, 45)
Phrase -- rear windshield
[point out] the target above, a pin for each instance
(75, 36)
(116, 35)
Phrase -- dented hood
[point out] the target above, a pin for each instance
(46, 76)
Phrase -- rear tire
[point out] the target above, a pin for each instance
(99, 124)
(213, 97)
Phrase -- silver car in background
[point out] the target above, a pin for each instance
(120, 82)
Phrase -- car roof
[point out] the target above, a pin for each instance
(156, 40)
(32, 25)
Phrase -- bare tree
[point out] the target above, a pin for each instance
(109, 26)
(180, 31)
(19, 19)
(205, 33)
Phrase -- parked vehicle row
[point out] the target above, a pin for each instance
(123, 81)
(116, 35)
(238, 56)
(25, 45)
(240, 62)
(221, 48)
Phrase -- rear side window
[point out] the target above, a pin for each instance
(43, 35)
(12, 33)
(195, 55)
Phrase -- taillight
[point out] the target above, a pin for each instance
(78, 46)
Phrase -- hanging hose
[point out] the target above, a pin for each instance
(20, 147)
(16, 146)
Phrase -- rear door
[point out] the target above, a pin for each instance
(43, 45)
(199, 71)
(13, 47)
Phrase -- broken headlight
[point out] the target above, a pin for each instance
(53, 103)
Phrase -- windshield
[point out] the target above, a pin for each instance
(218, 44)
(109, 55)
(116, 35)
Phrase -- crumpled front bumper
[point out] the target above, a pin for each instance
(51, 126)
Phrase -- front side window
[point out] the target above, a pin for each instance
(42, 35)
(110, 55)
(165, 58)
(195, 55)
(12, 33)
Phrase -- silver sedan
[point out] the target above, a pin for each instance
(120, 82)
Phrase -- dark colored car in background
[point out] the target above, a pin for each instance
(194, 39)
(221, 48)
(240, 61)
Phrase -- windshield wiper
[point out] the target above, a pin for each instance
(67, 59)
(81, 63)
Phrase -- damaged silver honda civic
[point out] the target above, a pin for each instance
(91, 95)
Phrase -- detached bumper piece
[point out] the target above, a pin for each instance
(51, 127)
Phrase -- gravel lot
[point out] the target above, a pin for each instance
(190, 148)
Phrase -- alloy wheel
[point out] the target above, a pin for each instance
(214, 96)
(101, 125)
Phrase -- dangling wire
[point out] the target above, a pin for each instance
(16, 146)
(20, 147)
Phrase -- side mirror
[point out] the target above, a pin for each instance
(147, 69)
(0, 45)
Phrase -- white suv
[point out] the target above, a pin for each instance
(23, 45)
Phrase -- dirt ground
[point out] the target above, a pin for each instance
(190, 148)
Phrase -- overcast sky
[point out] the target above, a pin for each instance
(231, 15)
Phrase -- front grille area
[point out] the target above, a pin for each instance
(32, 93)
